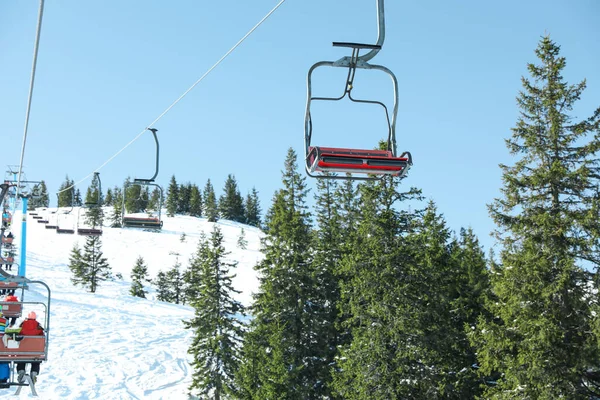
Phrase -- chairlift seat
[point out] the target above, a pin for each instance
(11, 309)
(141, 222)
(89, 231)
(30, 348)
(379, 162)
(42, 221)
(36, 216)
(49, 226)
(65, 230)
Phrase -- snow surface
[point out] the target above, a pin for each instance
(109, 344)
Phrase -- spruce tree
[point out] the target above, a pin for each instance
(183, 204)
(217, 329)
(92, 268)
(286, 297)
(376, 298)
(94, 214)
(541, 341)
(252, 209)
(139, 276)
(76, 265)
(242, 242)
(195, 201)
(77, 200)
(174, 279)
(108, 199)
(117, 212)
(66, 193)
(155, 200)
(210, 210)
(172, 197)
(164, 291)
(231, 203)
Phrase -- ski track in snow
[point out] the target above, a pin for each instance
(110, 345)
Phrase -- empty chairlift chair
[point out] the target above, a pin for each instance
(359, 163)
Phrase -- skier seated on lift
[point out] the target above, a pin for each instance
(30, 327)
(4, 366)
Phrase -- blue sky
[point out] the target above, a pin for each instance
(107, 69)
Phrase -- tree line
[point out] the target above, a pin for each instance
(365, 297)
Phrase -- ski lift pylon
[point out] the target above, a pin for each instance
(321, 161)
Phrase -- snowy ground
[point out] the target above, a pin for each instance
(108, 344)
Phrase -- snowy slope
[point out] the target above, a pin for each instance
(108, 344)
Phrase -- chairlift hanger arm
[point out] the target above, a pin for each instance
(153, 130)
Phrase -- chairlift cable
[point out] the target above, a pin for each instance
(178, 99)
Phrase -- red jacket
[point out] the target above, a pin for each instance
(30, 327)
(11, 298)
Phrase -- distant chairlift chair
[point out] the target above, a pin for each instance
(136, 221)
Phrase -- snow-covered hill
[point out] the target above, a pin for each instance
(108, 344)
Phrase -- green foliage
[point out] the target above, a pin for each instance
(217, 329)
(195, 208)
(210, 210)
(285, 300)
(172, 197)
(89, 268)
(66, 193)
(252, 209)
(242, 243)
(231, 203)
(39, 196)
(139, 276)
(108, 200)
(541, 341)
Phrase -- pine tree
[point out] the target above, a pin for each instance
(116, 217)
(155, 200)
(541, 340)
(94, 214)
(231, 203)
(242, 242)
(195, 201)
(76, 265)
(183, 203)
(286, 296)
(108, 200)
(163, 289)
(174, 279)
(92, 267)
(373, 361)
(191, 276)
(210, 210)
(139, 275)
(172, 197)
(77, 200)
(39, 196)
(252, 209)
(217, 329)
(66, 193)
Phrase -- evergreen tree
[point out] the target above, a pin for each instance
(195, 201)
(374, 295)
(191, 276)
(283, 306)
(242, 242)
(185, 192)
(163, 290)
(210, 209)
(94, 214)
(76, 265)
(155, 200)
(252, 209)
(174, 279)
(92, 267)
(77, 200)
(39, 196)
(108, 200)
(66, 193)
(117, 213)
(231, 203)
(217, 329)
(172, 197)
(139, 275)
(541, 341)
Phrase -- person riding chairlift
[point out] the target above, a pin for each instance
(30, 327)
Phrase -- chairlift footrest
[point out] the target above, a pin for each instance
(357, 45)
